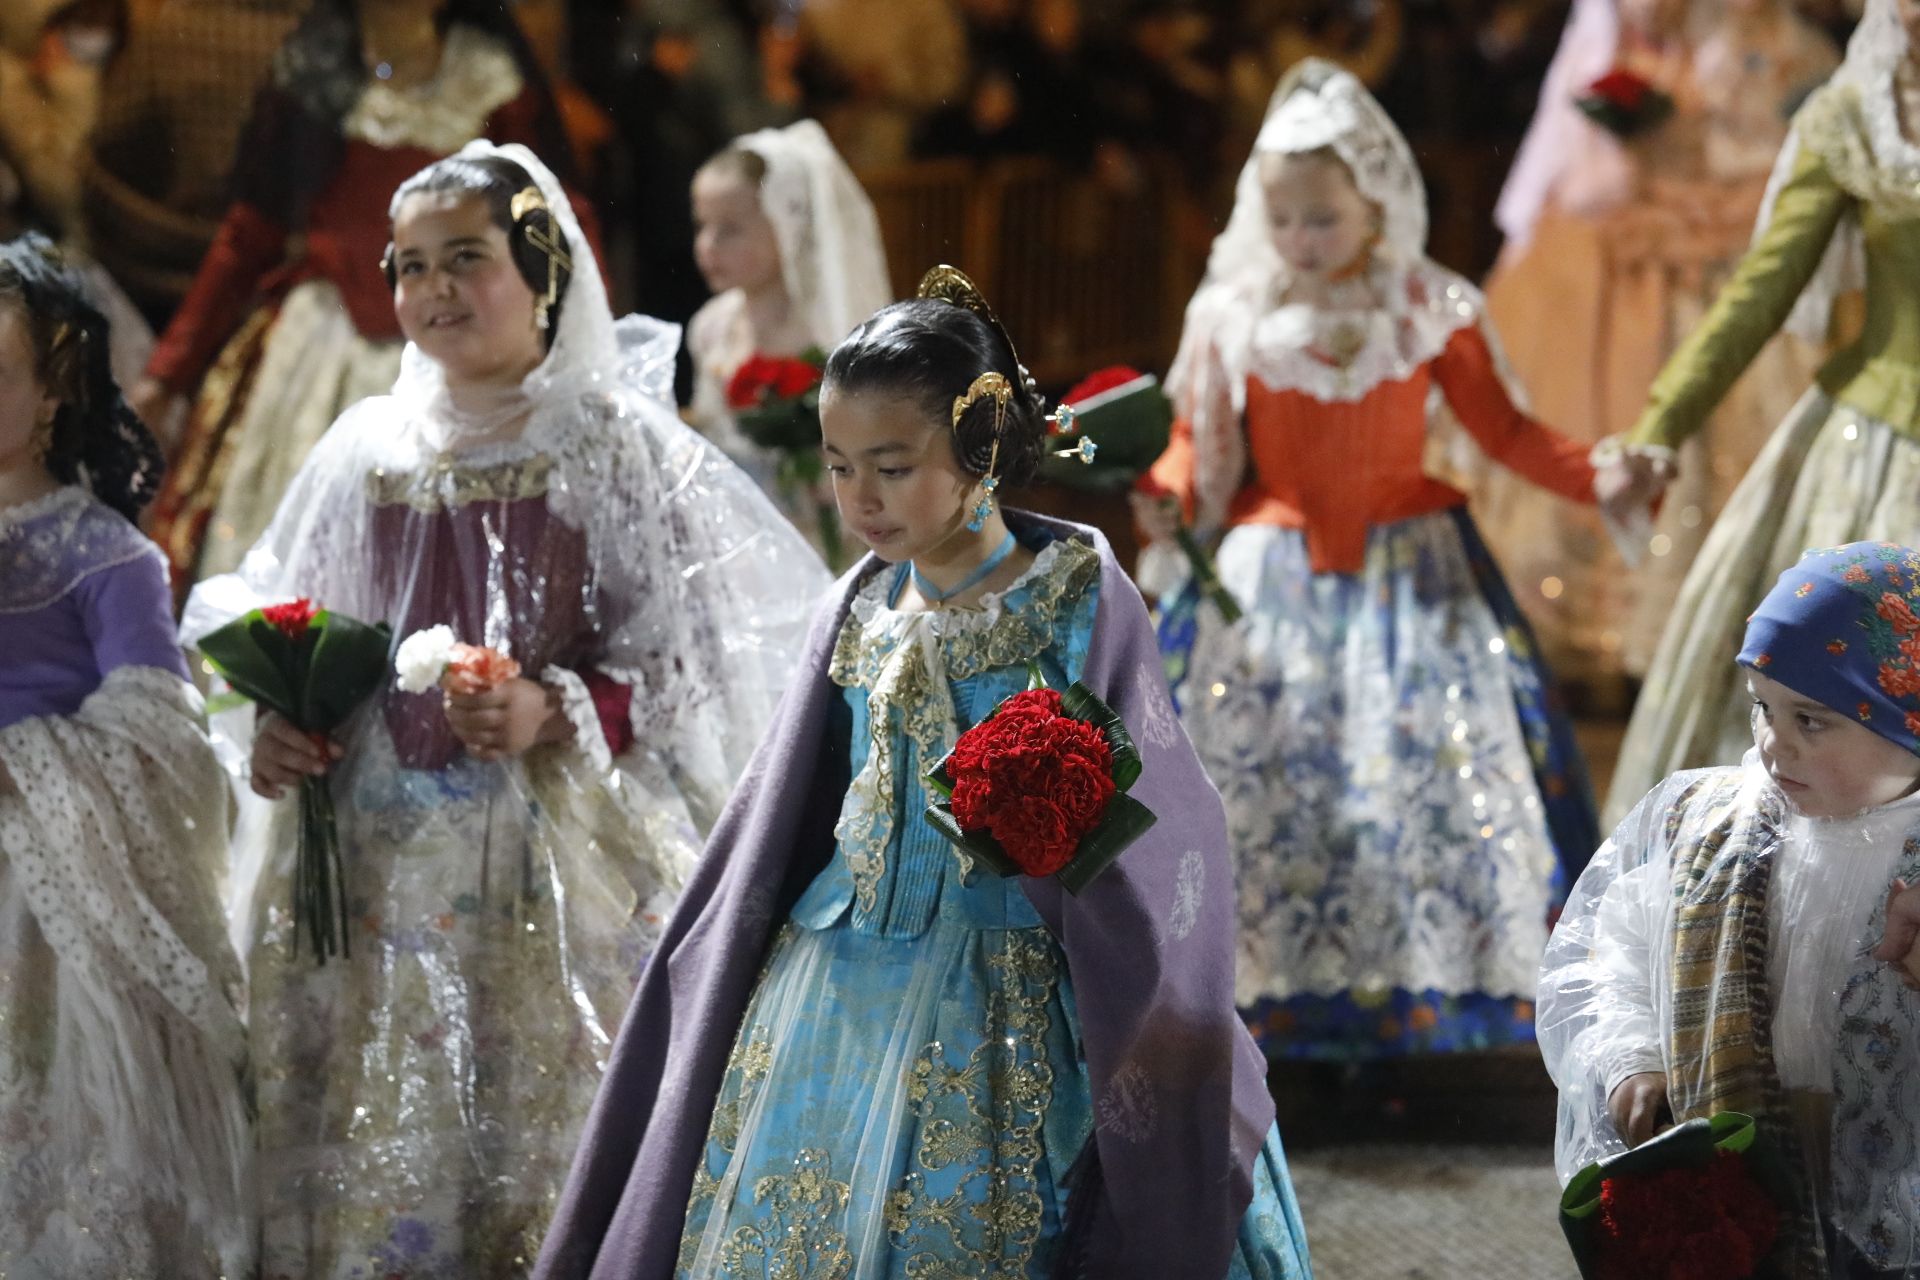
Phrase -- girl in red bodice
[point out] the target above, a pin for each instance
(1403, 804)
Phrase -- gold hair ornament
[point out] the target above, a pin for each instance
(952, 286)
(553, 244)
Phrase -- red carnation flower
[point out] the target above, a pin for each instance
(762, 378)
(1623, 89)
(1035, 779)
(1035, 834)
(1099, 380)
(292, 618)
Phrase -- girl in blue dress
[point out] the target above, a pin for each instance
(938, 1072)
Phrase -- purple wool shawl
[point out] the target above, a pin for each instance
(1179, 1089)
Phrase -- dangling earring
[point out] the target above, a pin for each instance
(995, 386)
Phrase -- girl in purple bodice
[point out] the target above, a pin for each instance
(122, 1113)
(508, 856)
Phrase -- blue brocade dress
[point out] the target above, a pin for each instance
(907, 1089)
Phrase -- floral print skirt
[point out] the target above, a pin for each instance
(1405, 803)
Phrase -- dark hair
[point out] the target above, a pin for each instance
(293, 142)
(497, 180)
(97, 439)
(931, 352)
(749, 166)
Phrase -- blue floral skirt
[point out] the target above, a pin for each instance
(1406, 803)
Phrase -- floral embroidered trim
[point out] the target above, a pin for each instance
(51, 545)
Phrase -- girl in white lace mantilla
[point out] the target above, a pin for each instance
(123, 1129)
(790, 245)
(1403, 800)
(511, 856)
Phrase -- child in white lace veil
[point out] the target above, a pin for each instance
(791, 246)
(1334, 388)
(511, 859)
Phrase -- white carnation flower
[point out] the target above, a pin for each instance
(423, 657)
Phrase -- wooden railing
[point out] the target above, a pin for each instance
(1083, 276)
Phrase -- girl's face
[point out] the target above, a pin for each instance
(1829, 765)
(25, 405)
(733, 241)
(898, 485)
(1320, 223)
(457, 293)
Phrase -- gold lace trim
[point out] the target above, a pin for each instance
(448, 484)
(1832, 125)
(966, 650)
(990, 1112)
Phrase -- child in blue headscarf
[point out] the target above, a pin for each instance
(1746, 940)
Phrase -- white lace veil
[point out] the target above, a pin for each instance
(588, 345)
(831, 254)
(1319, 106)
(1875, 52)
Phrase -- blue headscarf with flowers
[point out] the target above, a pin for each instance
(1843, 627)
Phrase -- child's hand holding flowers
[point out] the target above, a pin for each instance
(494, 711)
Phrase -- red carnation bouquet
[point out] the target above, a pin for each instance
(776, 402)
(1039, 787)
(1624, 103)
(1699, 1202)
(313, 667)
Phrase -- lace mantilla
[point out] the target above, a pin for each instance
(906, 661)
(1858, 138)
(1343, 356)
(476, 77)
(51, 545)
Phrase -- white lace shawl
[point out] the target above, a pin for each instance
(116, 824)
(1874, 53)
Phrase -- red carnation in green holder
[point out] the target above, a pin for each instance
(1699, 1202)
(1624, 103)
(314, 668)
(1039, 787)
(776, 404)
